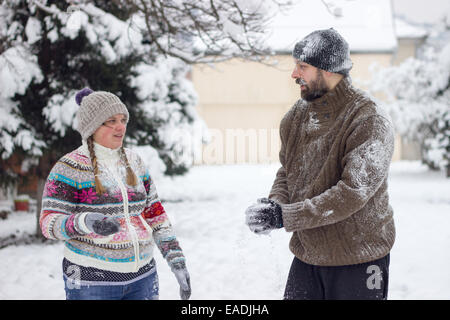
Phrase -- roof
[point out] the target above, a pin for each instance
(367, 25)
(408, 30)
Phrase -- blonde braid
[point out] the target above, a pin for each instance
(131, 177)
(98, 185)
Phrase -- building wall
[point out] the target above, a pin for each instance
(406, 48)
(243, 103)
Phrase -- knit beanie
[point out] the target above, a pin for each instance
(326, 50)
(95, 108)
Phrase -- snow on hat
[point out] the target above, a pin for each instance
(95, 108)
(326, 50)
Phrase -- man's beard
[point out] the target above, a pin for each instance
(316, 89)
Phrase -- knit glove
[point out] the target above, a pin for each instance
(264, 216)
(101, 224)
(184, 281)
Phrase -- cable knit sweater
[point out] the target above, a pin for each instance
(69, 194)
(332, 184)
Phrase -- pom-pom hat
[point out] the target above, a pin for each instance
(95, 108)
(326, 50)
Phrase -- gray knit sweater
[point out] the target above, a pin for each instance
(332, 185)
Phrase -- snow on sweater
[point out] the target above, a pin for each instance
(332, 185)
(69, 194)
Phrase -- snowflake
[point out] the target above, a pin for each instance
(50, 189)
(86, 196)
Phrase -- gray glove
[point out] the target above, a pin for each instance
(184, 281)
(264, 216)
(101, 224)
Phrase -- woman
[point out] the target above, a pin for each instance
(102, 202)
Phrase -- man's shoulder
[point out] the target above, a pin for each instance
(298, 107)
(365, 106)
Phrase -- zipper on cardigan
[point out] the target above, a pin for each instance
(131, 229)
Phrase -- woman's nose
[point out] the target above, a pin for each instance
(121, 127)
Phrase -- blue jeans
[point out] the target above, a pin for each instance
(143, 289)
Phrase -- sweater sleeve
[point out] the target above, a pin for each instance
(163, 234)
(368, 153)
(58, 218)
(279, 191)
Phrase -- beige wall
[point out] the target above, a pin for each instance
(406, 48)
(243, 103)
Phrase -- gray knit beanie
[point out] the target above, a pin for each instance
(95, 108)
(326, 50)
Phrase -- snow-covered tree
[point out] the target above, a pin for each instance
(50, 49)
(49, 59)
(205, 30)
(136, 49)
(418, 92)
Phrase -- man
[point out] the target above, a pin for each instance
(331, 189)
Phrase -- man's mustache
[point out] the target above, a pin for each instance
(300, 81)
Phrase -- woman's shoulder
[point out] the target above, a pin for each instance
(77, 160)
(79, 156)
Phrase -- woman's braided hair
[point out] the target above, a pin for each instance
(131, 177)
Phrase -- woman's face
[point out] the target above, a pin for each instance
(111, 133)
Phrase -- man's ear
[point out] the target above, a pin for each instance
(327, 74)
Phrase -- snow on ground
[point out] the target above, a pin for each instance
(227, 261)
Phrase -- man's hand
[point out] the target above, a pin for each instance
(264, 216)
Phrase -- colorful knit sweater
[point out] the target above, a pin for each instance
(69, 195)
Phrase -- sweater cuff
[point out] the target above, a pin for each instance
(278, 199)
(81, 225)
(290, 214)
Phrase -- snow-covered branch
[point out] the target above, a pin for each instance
(50, 10)
(206, 30)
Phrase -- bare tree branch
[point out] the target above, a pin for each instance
(174, 28)
(332, 9)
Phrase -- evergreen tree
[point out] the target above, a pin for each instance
(46, 63)
(138, 50)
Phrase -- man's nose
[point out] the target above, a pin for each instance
(295, 73)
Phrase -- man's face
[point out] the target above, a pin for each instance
(311, 81)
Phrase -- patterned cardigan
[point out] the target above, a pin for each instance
(69, 195)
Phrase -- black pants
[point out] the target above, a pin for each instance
(366, 281)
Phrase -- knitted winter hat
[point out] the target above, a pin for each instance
(95, 108)
(326, 50)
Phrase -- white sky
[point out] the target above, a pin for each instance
(422, 11)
